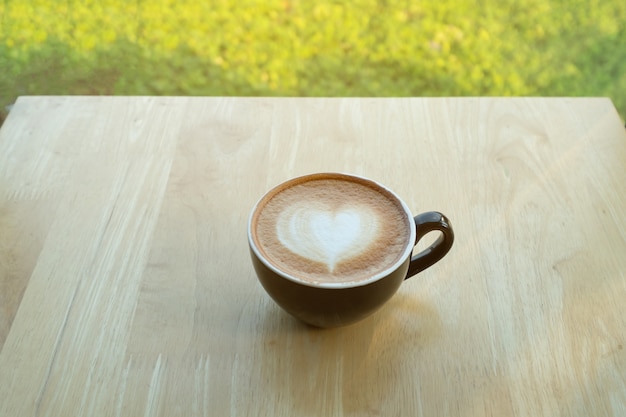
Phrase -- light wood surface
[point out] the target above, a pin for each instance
(126, 287)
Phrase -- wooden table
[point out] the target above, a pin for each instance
(127, 289)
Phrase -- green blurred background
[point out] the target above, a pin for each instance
(314, 48)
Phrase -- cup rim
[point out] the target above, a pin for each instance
(344, 284)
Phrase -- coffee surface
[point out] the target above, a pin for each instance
(331, 229)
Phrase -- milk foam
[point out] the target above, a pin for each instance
(321, 234)
(329, 229)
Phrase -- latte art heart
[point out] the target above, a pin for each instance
(326, 236)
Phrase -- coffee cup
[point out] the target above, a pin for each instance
(332, 248)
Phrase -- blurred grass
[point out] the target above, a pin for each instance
(314, 48)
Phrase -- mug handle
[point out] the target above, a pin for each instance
(426, 223)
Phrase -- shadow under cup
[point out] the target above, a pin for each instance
(330, 304)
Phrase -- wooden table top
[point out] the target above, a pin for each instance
(126, 287)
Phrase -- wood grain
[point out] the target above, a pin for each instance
(126, 288)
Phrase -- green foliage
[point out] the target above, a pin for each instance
(314, 48)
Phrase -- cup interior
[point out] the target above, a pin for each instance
(403, 252)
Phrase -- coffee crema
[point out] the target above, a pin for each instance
(331, 228)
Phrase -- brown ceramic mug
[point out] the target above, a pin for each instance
(332, 248)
